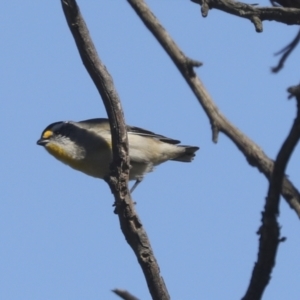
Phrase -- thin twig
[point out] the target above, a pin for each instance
(289, 16)
(253, 153)
(270, 230)
(124, 294)
(131, 225)
(286, 51)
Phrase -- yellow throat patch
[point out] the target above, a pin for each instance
(62, 155)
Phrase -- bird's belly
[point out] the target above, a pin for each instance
(138, 170)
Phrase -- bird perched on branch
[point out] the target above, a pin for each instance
(86, 146)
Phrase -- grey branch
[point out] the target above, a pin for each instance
(285, 52)
(289, 16)
(105, 86)
(269, 231)
(124, 294)
(252, 152)
(131, 225)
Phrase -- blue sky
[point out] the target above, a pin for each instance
(59, 236)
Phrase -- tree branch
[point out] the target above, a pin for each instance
(289, 16)
(291, 13)
(269, 231)
(124, 294)
(130, 223)
(285, 52)
(252, 152)
(286, 3)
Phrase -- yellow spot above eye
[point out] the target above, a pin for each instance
(47, 134)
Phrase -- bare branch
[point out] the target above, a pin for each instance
(286, 51)
(252, 152)
(286, 3)
(124, 294)
(131, 225)
(270, 231)
(289, 16)
(105, 86)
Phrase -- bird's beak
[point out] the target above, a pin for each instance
(42, 142)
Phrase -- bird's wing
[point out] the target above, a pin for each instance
(103, 125)
(94, 124)
(150, 134)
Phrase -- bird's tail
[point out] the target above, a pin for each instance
(187, 155)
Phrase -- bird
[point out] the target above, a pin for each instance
(86, 146)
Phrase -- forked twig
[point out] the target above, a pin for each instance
(255, 14)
